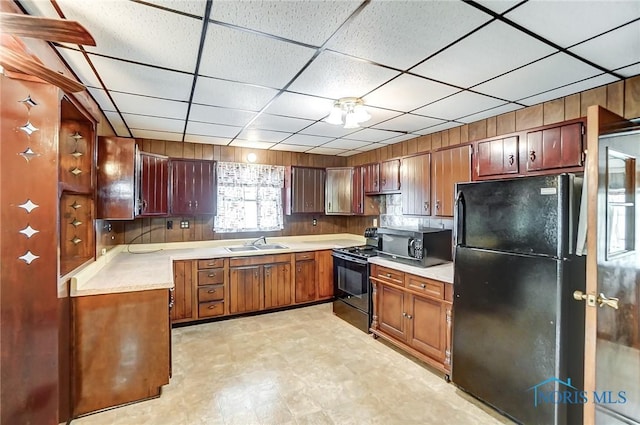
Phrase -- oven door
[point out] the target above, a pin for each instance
(351, 280)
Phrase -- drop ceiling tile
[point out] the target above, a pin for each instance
(397, 139)
(118, 125)
(216, 130)
(142, 105)
(300, 105)
(307, 140)
(480, 56)
(251, 144)
(217, 115)
(540, 76)
(214, 92)
(157, 135)
(459, 105)
(208, 140)
(279, 123)
(307, 21)
(499, 6)
(103, 100)
(349, 153)
(144, 80)
(346, 144)
(569, 89)
(629, 71)
(569, 22)
(408, 123)
(290, 148)
(334, 76)
(490, 113)
(39, 8)
(325, 151)
(400, 34)
(439, 127)
(322, 128)
(251, 58)
(80, 66)
(613, 50)
(139, 33)
(143, 122)
(372, 135)
(408, 92)
(263, 135)
(370, 147)
(378, 115)
(192, 7)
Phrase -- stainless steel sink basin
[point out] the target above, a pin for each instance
(271, 246)
(241, 248)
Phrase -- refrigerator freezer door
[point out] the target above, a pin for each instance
(527, 215)
(506, 327)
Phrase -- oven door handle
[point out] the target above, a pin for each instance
(348, 258)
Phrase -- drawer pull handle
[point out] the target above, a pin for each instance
(211, 275)
(423, 285)
(211, 264)
(388, 275)
(211, 291)
(211, 307)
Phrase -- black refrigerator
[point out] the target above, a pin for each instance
(518, 334)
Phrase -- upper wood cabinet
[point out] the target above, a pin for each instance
(192, 186)
(449, 166)
(152, 185)
(556, 147)
(361, 204)
(76, 144)
(339, 186)
(415, 183)
(371, 178)
(304, 190)
(497, 157)
(390, 175)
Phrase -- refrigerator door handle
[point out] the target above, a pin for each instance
(458, 227)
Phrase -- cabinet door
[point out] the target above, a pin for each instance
(204, 187)
(371, 178)
(555, 147)
(338, 190)
(183, 296)
(415, 183)
(244, 289)
(153, 185)
(449, 167)
(115, 170)
(324, 269)
(392, 312)
(427, 326)
(357, 190)
(314, 186)
(75, 145)
(181, 187)
(496, 157)
(297, 190)
(390, 175)
(277, 285)
(305, 281)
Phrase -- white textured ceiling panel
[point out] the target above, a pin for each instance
(629, 71)
(334, 76)
(408, 92)
(539, 76)
(138, 33)
(142, 105)
(158, 135)
(459, 105)
(406, 32)
(118, 125)
(349, 153)
(40, 8)
(251, 58)
(303, 106)
(290, 148)
(325, 151)
(101, 97)
(481, 56)
(397, 139)
(307, 140)
(569, 89)
(490, 113)
(345, 144)
(216, 130)
(192, 7)
(144, 122)
(378, 115)
(615, 49)
(263, 135)
(251, 144)
(279, 123)
(308, 21)
(569, 22)
(75, 59)
(144, 80)
(322, 128)
(217, 115)
(207, 140)
(370, 147)
(372, 135)
(499, 6)
(214, 92)
(408, 122)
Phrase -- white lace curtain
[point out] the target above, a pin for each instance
(249, 197)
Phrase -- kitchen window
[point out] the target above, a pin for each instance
(249, 197)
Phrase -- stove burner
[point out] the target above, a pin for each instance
(360, 251)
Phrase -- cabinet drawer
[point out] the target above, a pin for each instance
(210, 277)
(213, 308)
(211, 293)
(389, 275)
(426, 286)
(210, 264)
(305, 256)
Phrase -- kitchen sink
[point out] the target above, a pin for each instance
(271, 246)
(241, 248)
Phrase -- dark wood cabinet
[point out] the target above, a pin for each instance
(390, 176)
(77, 235)
(192, 187)
(185, 281)
(497, 157)
(211, 288)
(371, 176)
(304, 190)
(392, 311)
(324, 272)
(76, 143)
(152, 185)
(448, 167)
(556, 147)
(305, 281)
(277, 285)
(245, 289)
(361, 204)
(415, 177)
(427, 332)
(339, 186)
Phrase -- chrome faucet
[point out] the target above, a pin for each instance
(261, 238)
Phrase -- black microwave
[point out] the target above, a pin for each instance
(423, 247)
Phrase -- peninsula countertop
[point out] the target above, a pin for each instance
(441, 272)
(128, 268)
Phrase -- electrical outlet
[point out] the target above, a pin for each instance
(103, 251)
(315, 222)
(375, 222)
(184, 224)
(169, 224)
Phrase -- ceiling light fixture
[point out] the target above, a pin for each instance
(353, 110)
(252, 157)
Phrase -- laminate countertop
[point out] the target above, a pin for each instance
(441, 272)
(128, 268)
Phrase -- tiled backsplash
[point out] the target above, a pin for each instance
(391, 216)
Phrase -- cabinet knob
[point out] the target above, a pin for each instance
(211, 307)
(196, 204)
(437, 205)
(388, 275)
(211, 264)
(189, 204)
(212, 274)
(409, 316)
(211, 291)
(299, 270)
(532, 156)
(423, 285)
(426, 206)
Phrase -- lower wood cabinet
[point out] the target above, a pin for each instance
(184, 277)
(305, 277)
(413, 313)
(277, 285)
(245, 284)
(324, 273)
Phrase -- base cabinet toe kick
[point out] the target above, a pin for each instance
(414, 314)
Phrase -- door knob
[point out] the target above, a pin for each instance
(611, 302)
(579, 296)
